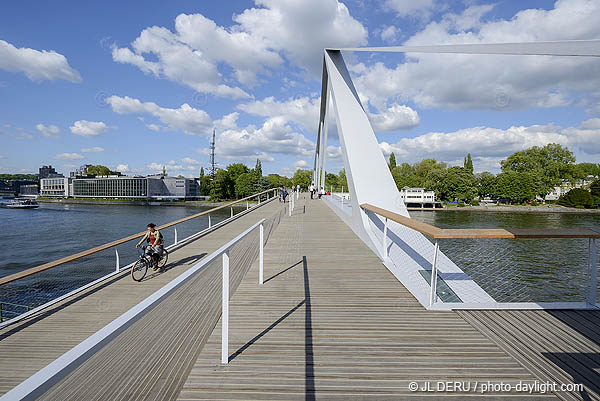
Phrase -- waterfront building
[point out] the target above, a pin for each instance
(48, 172)
(55, 187)
(566, 185)
(419, 198)
(153, 187)
(81, 171)
(29, 190)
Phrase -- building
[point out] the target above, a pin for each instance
(81, 171)
(154, 187)
(48, 171)
(418, 198)
(55, 187)
(566, 185)
(29, 190)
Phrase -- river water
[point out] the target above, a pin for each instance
(36, 236)
(520, 270)
(510, 270)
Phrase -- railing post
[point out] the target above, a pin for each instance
(175, 236)
(267, 196)
(593, 272)
(260, 254)
(290, 209)
(117, 264)
(433, 281)
(225, 311)
(384, 251)
(247, 205)
(209, 223)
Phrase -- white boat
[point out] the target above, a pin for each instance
(22, 204)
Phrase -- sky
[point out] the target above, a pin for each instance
(138, 85)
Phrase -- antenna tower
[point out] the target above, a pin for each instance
(213, 169)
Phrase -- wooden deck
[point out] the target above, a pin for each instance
(28, 346)
(330, 322)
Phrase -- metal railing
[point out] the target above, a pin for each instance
(436, 233)
(4, 311)
(62, 366)
(259, 198)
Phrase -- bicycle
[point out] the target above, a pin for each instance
(140, 267)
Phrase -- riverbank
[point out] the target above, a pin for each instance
(139, 203)
(521, 209)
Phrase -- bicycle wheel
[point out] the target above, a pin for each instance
(165, 257)
(139, 269)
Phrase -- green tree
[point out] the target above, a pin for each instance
(392, 163)
(262, 184)
(468, 163)
(577, 197)
(258, 169)
(234, 171)
(404, 176)
(245, 184)
(549, 164)
(101, 170)
(434, 180)
(302, 178)
(219, 187)
(332, 181)
(513, 186)
(486, 184)
(458, 185)
(343, 180)
(277, 180)
(595, 188)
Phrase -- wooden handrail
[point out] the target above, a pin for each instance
(70, 258)
(436, 232)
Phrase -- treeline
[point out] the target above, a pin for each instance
(525, 175)
(238, 181)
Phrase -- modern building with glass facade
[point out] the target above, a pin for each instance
(55, 187)
(156, 187)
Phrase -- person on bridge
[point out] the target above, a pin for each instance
(155, 239)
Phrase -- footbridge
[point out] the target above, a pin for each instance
(332, 298)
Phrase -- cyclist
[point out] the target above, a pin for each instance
(155, 239)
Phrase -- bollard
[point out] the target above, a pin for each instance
(117, 254)
(247, 205)
(225, 311)
(209, 225)
(175, 236)
(260, 254)
(231, 211)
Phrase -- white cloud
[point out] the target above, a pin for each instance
(88, 128)
(250, 143)
(36, 65)
(459, 81)
(301, 110)
(421, 9)
(390, 34)
(394, 118)
(154, 127)
(258, 42)
(490, 145)
(157, 167)
(189, 160)
(94, 149)
(300, 164)
(186, 118)
(123, 168)
(48, 131)
(68, 156)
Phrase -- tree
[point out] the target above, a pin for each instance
(404, 176)
(258, 169)
(101, 170)
(302, 178)
(277, 180)
(595, 188)
(234, 171)
(332, 181)
(468, 163)
(550, 163)
(486, 184)
(512, 186)
(262, 184)
(343, 180)
(245, 184)
(392, 161)
(577, 197)
(458, 185)
(219, 187)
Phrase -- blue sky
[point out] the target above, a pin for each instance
(138, 85)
